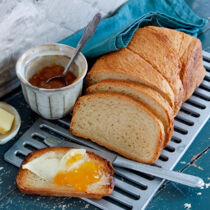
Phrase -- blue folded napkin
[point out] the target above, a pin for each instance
(116, 32)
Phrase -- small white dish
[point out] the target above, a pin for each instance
(50, 103)
(4, 138)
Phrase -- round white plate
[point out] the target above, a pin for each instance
(4, 138)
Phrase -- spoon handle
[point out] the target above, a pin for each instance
(87, 34)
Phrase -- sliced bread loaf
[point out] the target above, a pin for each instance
(146, 95)
(125, 65)
(30, 183)
(119, 123)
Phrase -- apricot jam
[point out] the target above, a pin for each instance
(40, 78)
(79, 178)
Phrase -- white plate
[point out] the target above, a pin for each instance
(4, 138)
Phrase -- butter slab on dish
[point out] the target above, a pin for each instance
(4, 138)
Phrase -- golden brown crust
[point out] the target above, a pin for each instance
(26, 188)
(173, 38)
(193, 72)
(137, 103)
(156, 49)
(178, 92)
(189, 51)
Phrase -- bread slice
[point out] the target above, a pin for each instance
(119, 123)
(124, 65)
(30, 183)
(146, 95)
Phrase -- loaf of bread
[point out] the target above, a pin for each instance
(29, 182)
(159, 69)
(175, 56)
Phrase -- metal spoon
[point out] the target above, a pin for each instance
(87, 34)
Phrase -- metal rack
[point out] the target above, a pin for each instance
(132, 190)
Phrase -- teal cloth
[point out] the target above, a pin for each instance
(116, 32)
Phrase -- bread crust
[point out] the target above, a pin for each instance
(152, 42)
(25, 187)
(189, 51)
(127, 64)
(169, 66)
(173, 38)
(193, 72)
(150, 93)
(161, 138)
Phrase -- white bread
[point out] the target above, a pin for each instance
(146, 95)
(124, 65)
(119, 123)
(30, 183)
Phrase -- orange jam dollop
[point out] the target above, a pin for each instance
(79, 178)
(39, 79)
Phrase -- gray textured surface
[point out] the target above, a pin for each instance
(25, 23)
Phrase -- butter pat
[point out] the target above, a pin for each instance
(6, 120)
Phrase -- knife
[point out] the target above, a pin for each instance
(119, 161)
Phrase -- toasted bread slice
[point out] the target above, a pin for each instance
(146, 95)
(121, 124)
(30, 183)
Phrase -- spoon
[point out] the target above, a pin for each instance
(87, 34)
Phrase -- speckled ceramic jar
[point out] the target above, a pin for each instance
(50, 103)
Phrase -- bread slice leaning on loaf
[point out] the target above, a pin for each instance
(119, 123)
(146, 95)
(30, 183)
(124, 65)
